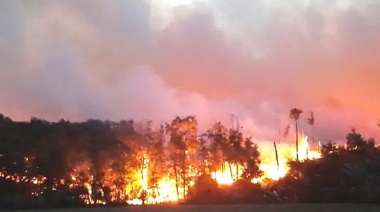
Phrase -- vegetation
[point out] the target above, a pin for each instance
(344, 174)
(295, 114)
(311, 122)
(63, 164)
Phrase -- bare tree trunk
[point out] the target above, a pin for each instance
(184, 177)
(237, 171)
(296, 140)
(275, 151)
(231, 173)
(223, 163)
(176, 180)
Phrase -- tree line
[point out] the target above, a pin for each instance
(98, 162)
(95, 162)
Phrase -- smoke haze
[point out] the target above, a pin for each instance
(152, 59)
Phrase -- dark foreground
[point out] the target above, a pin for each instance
(234, 208)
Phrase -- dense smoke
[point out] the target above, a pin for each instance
(155, 59)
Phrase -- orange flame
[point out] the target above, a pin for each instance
(227, 174)
(268, 165)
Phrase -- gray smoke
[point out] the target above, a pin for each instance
(77, 59)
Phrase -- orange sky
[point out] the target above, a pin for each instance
(151, 59)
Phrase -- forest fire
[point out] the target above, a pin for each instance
(224, 176)
(150, 166)
(164, 192)
(227, 174)
(171, 103)
(286, 152)
(166, 188)
(269, 165)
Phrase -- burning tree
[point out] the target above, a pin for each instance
(229, 149)
(234, 155)
(251, 160)
(218, 146)
(105, 162)
(157, 158)
(311, 121)
(295, 115)
(183, 145)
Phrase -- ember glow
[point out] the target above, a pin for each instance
(178, 94)
(287, 152)
(164, 192)
(269, 166)
(227, 174)
(272, 171)
(167, 189)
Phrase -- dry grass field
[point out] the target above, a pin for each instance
(233, 208)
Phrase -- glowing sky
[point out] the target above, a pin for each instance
(120, 59)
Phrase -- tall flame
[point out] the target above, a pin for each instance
(226, 175)
(164, 192)
(166, 189)
(286, 152)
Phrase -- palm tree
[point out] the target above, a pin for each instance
(295, 114)
(311, 121)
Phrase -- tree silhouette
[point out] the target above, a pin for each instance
(183, 146)
(329, 149)
(286, 131)
(311, 121)
(62, 164)
(295, 115)
(235, 156)
(355, 140)
(251, 160)
(219, 147)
